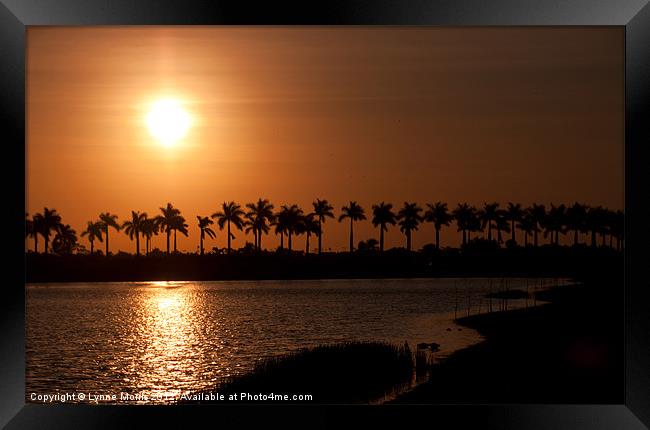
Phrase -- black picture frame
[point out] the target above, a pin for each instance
(634, 16)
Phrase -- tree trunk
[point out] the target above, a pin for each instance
(174, 241)
(259, 239)
(36, 243)
(282, 240)
(202, 234)
(351, 235)
(381, 238)
(307, 245)
(514, 231)
(107, 241)
(91, 247)
(490, 231)
(228, 236)
(168, 233)
(289, 240)
(137, 243)
(47, 241)
(320, 234)
(408, 240)
(535, 233)
(437, 238)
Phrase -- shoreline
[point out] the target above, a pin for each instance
(548, 353)
(516, 262)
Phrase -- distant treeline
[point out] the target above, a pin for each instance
(489, 223)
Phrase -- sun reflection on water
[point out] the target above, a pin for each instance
(167, 325)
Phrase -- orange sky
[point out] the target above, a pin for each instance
(292, 114)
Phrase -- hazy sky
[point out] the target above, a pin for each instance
(293, 114)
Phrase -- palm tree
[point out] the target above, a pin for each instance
(502, 225)
(595, 222)
(93, 231)
(258, 215)
(474, 225)
(133, 228)
(204, 227)
(355, 213)
(33, 228)
(108, 220)
(555, 221)
(51, 222)
(409, 218)
(538, 212)
(463, 215)
(178, 224)
(576, 220)
(488, 216)
(514, 212)
(322, 210)
(169, 220)
(65, 240)
(382, 216)
(291, 218)
(150, 227)
(528, 225)
(439, 215)
(231, 213)
(279, 221)
(309, 225)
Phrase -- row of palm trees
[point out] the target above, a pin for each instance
(259, 218)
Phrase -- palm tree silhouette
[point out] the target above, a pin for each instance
(528, 225)
(439, 215)
(204, 227)
(502, 225)
(555, 222)
(463, 215)
(149, 227)
(514, 212)
(474, 225)
(595, 220)
(576, 220)
(169, 221)
(409, 219)
(538, 212)
(291, 217)
(258, 215)
(280, 224)
(355, 213)
(51, 222)
(231, 213)
(382, 217)
(33, 228)
(65, 240)
(108, 220)
(93, 231)
(308, 225)
(133, 228)
(322, 210)
(489, 215)
(179, 224)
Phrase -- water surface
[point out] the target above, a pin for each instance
(168, 338)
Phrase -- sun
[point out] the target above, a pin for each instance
(167, 121)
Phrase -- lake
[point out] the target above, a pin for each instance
(168, 338)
